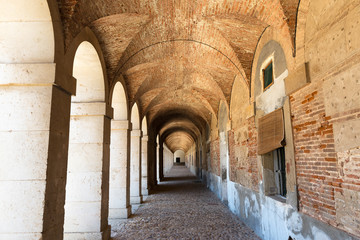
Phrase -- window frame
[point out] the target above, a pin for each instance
(280, 171)
(272, 75)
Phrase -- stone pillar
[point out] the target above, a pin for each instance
(224, 166)
(34, 123)
(119, 204)
(87, 187)
(157, 162)
(161, 161)
(144, 166)
(135, 167)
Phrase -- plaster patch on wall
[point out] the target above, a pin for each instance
(214, 184)
(247, 206)
(319, 235)
(271, 219)
(294, 223)
(348, 210)
(347, 135)
(342, 91)
(274, 97)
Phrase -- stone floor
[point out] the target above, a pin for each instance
(181, 208)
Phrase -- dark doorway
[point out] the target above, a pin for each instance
(177, 160)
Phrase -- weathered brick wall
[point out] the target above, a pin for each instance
(328, 181)
(243, 158)
(314, 154)
(326, 116)
(215, 157)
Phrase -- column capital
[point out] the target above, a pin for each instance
(120, 125)
(136, 133)
(89, 109)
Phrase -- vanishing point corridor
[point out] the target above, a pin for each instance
(179, 119)
(182, 208)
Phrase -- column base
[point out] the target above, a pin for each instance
(20, 236)
(104, 235)
(136, 200)
(119, 213)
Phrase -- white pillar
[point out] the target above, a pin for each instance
(87, 186)
(144, 166)
(33, 145)
(135, 167)
(157, 162)
(119, 203)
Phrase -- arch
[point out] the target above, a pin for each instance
(88, 36)
(283, 48)
(274, 96)
(144, 157)
(119, 204)
(179, 156)
(87, 70)
(135, 160)
(144, 126)
(119, 102)
(86, 204)
(29, 33)
(300, 30)
(135, 117)
(232, 62)
(240, 107)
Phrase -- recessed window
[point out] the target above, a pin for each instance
(275, 174)
(268, 76)
(280, 171)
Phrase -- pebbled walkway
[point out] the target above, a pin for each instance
(181, 208)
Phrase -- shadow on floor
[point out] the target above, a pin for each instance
(181, 178)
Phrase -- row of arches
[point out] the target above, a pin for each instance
(107, 159)
(71, 138)
(71, 150)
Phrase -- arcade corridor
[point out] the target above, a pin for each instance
(259, 99)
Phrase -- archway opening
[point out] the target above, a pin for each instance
(144, 158)
(119, 201)
(85, 196)
(135, 160)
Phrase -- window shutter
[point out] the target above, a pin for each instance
(271, 132)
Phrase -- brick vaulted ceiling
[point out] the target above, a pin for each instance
(179, 58)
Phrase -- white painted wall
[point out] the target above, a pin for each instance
(168, 159)
(180, 154)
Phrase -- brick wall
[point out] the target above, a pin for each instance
(215, 157)
(315, 156)
(243, 159)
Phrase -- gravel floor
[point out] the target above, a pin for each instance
(181, 208)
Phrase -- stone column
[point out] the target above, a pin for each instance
(34, 123)
(157, 162)
(224, 165)
(161, 161)
(135, 167)
(87, 187)
(119, 204)
(144, 166)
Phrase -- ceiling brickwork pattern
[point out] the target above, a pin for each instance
(178, 57)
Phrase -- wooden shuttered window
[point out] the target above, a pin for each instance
(271, 133)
